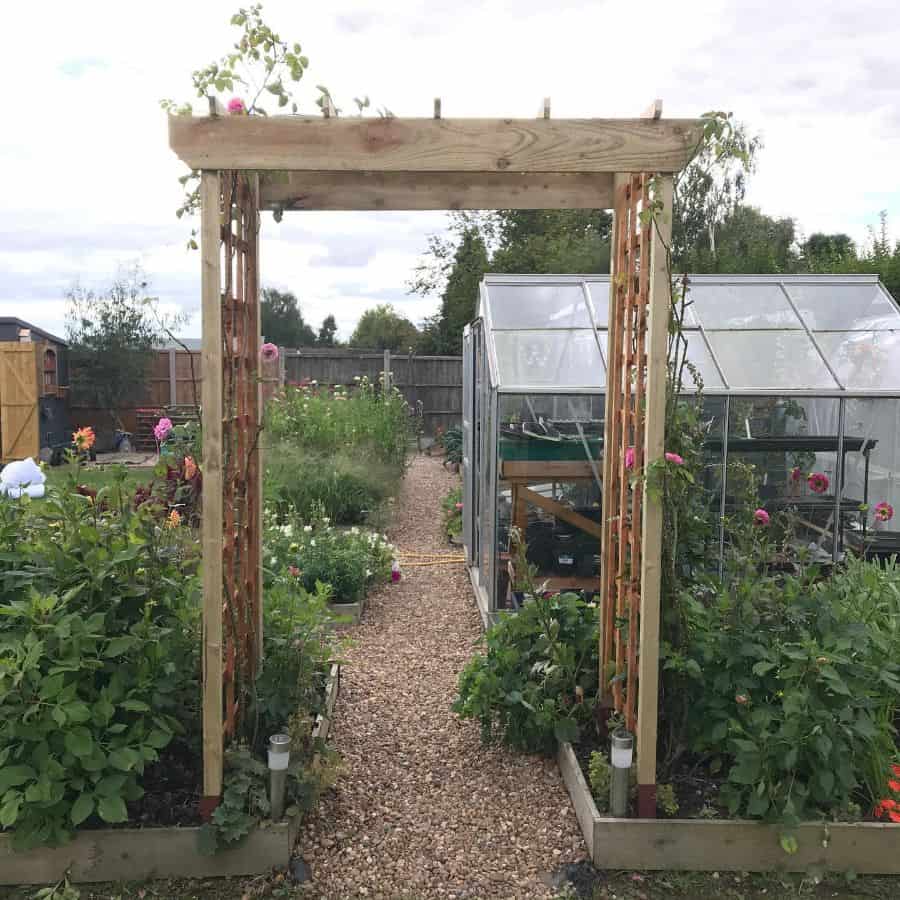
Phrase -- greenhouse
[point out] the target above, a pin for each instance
(800, 378)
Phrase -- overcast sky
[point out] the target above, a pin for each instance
(90, 184)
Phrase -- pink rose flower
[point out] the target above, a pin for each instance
(675, 458)
(818, 482)
(761, 517)
(269, 352)
(629, 458)
(236, 106)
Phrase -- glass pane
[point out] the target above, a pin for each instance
(770, 360)
(742, 306)
(863, 360)
(558, 358)
(698, 355)
(842, 307)
(872, 476)
(538, 306)
(599, 291)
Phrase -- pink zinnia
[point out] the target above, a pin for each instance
(884, 512)
(675, 458)
(761, 517)
(629, 458)
(796, 474)
(269, 352)
(236, 106)
(818, 482)
(161, 429)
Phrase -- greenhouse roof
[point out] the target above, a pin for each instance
(815, 335)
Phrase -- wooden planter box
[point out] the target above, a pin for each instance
(350, 612)
(727, 845)
(127, 854)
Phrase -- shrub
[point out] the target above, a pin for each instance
(600, 777)
(347, 560)
(362, 419)
(98, 657)
(794, 681)
(349, 491)
(536, 680)
(452, 440)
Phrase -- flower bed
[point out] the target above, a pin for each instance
(100, 673)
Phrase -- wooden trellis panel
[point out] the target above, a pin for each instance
(232, 608)
(635, 411)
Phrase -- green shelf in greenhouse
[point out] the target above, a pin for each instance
(548, 450)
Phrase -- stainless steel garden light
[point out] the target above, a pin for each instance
(622, 746)
(279, 759)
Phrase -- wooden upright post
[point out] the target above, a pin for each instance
(387, 375)
(173, 378)
(651, 540)
(211, 526)
(257, 485)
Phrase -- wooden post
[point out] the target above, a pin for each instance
(610, 442)
(651, 569)
(387, 375)
(173, 378)
(257, 487)
(211, 526)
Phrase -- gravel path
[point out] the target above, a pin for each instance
(423, 810)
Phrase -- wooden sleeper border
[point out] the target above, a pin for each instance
(126, 854)
(734, 845)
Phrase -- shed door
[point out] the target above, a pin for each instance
(19, 435)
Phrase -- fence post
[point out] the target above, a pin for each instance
(282, 367)
(173, 378)
(387, 375)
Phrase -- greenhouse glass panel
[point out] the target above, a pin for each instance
(698, 355)
(863, 360)
(550, 358)
(538, 306)
(752, 306)
(770, 360)
(599, 292)
(844, 307)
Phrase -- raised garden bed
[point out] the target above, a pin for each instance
(116, 854)
(735, 845)
(347, 613)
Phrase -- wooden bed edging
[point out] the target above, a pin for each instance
(128, 854)
(735, 845)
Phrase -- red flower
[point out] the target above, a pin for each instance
(894, 786)
(894, 816)
(294, 571)
(818, 482)
(896, 770)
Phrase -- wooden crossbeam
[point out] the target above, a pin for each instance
(301, 143)
(561, 511)
(434, 190)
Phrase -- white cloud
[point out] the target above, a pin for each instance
(90, 181)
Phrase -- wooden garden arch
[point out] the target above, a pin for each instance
(254, 163)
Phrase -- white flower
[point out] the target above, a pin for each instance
(354, 530)
(368, 573)
(312, 543)
(307, 528)
(273, 561)
(326, 520)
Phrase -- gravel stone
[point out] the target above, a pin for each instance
(422, 809)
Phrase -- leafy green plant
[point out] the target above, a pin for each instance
(349, 489)
(453, 512)
(453, 444)
(666, 801)
(98, 658)
(362, 421)
(600, 778)
(535, 681)
(349, 561)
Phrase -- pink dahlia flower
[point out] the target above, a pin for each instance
(884, 512)
(269, 352)
(161, 429)
(761, 517)
(818, 482)
(675, 458)
(236, 106)
(629, 458)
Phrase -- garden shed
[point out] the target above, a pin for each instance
(800, 377)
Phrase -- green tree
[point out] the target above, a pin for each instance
(749, 242)
(282, 321)
(383, 328)
(327, 331)
(112, 336)
(828, 252)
